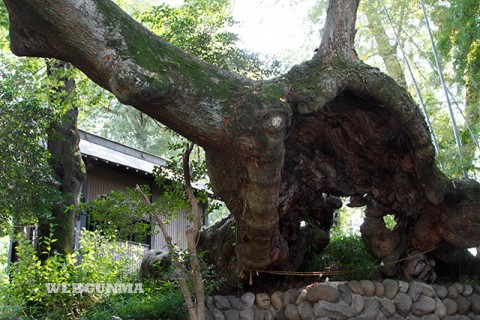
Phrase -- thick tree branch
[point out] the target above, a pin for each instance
(343, 76)
(221, 111)
(185, 93)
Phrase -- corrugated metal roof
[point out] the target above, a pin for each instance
(110, 151)
(107, 150)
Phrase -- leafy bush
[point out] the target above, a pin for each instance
(26, 290)
(103, 259)
(4, 245)
(120, 214)
(26, 294)
(345, 258)
(160, 301)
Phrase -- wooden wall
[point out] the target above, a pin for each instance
(102, 179)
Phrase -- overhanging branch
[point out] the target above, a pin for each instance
(111, 48)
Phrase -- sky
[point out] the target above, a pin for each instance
(269, 27)
(273, 27)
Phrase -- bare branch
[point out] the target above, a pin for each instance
(179, 269)
(192, 235)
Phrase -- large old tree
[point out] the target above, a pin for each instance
(278, 151)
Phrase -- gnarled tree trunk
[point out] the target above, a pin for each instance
(67, 167)
(278, 151)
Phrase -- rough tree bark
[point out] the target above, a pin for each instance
(67, 166)
(278, 151)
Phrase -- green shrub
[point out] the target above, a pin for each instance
(161, 300)
(26, 293)
(346, 258)
(4, 246)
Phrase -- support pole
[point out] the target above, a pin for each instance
(445, 89)
(417, 89)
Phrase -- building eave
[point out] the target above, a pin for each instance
(113, 153)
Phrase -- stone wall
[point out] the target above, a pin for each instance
(388, 299)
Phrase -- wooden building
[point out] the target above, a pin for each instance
(113, 166)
